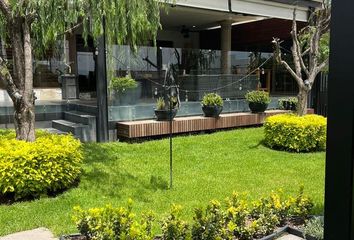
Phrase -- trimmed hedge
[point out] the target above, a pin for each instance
(28, 170)
(294, 133)
(235, 218)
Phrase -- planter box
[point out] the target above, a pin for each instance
(277, 234)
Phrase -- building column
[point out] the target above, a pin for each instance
(72, 55)
(102, 126)
(339, 192)
(226, 36)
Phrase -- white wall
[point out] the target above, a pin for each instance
(42, 94)
(220, 5)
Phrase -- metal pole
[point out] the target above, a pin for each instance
(102, 88)
(339, 196)
(171, 145)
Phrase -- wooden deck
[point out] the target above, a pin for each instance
(149, 128)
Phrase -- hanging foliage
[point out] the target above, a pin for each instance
(32, 27)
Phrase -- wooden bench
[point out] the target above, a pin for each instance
(149, 128)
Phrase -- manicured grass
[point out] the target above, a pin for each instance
(205, 167)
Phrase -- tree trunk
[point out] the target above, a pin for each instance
(24, 116)
(302, 101)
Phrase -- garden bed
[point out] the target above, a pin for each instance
(280, 232)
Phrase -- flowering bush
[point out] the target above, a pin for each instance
(31, 169)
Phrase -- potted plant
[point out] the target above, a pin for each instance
(258, 101)
(126, 90)
(288, 103)
(163, 111)
(212, 105)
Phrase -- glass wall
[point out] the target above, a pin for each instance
(196, 72)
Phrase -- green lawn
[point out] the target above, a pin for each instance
(206, 167)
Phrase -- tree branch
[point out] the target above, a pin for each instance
(305, 52)
(70, 30)
(5, 9)
(296, 50)
(6, 77)
(278, 58)
(321, 66)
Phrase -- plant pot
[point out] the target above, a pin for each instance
(289, 106)
(293, 106)
(165, 115)
(212, 111)
(257, 107)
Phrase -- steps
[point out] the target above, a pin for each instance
(82, 125)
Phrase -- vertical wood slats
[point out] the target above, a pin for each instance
(149, 128)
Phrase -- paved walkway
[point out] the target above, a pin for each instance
(35, 234)
(287, 237)
(45, 234)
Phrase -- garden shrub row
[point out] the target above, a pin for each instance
(233, 219)
(296, 133)
(31, 169)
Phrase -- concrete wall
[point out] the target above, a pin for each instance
(42, 94)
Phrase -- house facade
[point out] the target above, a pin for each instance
(219, 46)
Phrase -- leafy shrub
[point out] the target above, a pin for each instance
(160, 104)
(120, 84)
(234, 219)
(27, 170)
(113, 223)
(314, 228)
(300, 205)
(294, 133)
(173, 228)
(288, 103)
(258, 97)
(210, 224)
(284, 208)
(212, 99)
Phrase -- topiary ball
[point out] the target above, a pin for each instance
(294, 133)
(31, 169)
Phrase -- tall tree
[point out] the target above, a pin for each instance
(31, 27)
(310, 52)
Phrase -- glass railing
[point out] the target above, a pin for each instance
(196, 72)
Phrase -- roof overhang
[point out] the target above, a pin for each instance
(273, 9)
(196, 19)
(282, 9)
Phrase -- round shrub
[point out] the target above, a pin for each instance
(31, 169)
(294, 133)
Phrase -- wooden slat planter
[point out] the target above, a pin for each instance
(149, 128)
